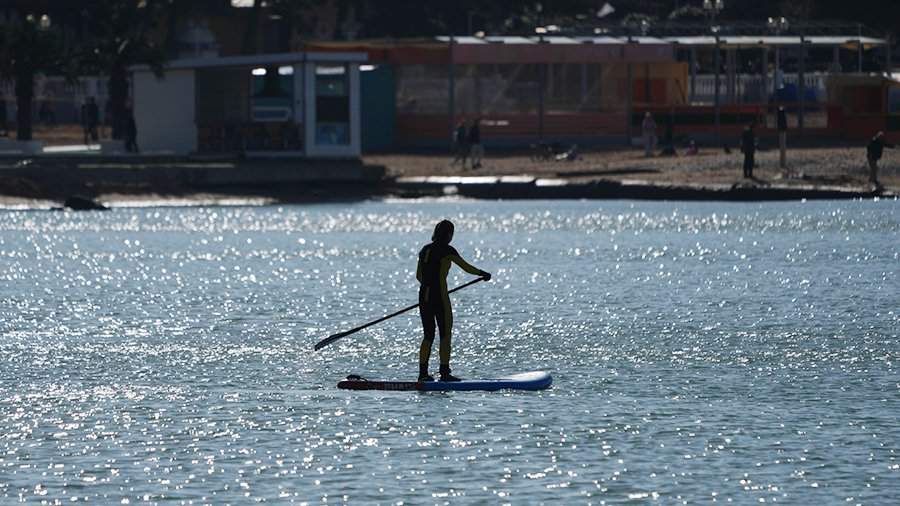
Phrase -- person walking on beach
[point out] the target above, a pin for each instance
(874, 150)
(434, 300)
(648, 130)
(460, 144)
(476, 151)
(748, 147)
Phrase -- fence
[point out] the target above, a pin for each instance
(754, 89)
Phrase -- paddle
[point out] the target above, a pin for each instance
(334, 337)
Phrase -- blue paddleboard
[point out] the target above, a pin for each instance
(536, 380)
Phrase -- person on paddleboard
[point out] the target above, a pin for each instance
(434, 301)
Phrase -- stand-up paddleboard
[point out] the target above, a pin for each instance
(536, 380)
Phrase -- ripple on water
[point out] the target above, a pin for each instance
(726, 352)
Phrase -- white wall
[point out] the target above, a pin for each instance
(164, 111)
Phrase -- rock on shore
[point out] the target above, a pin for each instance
(81, 203)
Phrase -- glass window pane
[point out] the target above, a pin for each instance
(332, 105)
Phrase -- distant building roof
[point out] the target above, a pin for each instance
(504, 39)
(549, 39)
(688, 40)
(776, 40)
(599, 40)
(559, 48)
(259, 60)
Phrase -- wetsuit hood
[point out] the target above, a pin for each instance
(443, 232)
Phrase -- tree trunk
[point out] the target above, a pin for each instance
(118, 97)
(249, 45)
(24, 99)
(172, 30)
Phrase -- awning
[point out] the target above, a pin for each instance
(259, 60)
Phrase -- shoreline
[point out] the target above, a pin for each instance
(711, 175)
(414, 190)
(525, 187)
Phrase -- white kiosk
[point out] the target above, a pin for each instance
(302, 104)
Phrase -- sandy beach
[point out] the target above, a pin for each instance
(842, 166)
(809, 168)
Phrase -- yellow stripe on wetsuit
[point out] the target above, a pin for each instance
(427, 279)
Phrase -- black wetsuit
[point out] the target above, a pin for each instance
(434, 301)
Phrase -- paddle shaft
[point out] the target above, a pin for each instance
(332, 338)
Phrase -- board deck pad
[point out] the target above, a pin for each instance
(535, 380)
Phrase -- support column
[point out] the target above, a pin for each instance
(859, 67)
(693, 93)
(778, 77)
(888, 56)
(550, 81)
(451, 99)
(859, 56)
(717, 100)
(648, 90)
(801, 84)
(476, 81)
(542, 85)
(584, 86)
(542, 88)
(764, 73)
(730, 77)
(629, 102)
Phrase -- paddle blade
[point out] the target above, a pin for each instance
(328, 340)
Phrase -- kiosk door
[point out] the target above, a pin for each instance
(332, 109)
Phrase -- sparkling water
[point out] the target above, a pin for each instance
(701, 352)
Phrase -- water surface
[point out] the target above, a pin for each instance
(701, 352)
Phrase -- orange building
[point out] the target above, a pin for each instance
(596, 89)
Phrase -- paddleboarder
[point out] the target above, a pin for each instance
(434, 300)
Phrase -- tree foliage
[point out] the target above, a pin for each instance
(430, 17)
(79, 37)
(106, 37)
(31, 46)
(115, 35)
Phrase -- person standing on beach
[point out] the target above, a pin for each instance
(874, 150)
(782, 139)
(476, 151)
(90, 116)
(130, 131)
(748, 147)
(434, 300)
(460, 144)
(648, 130)
(3, 128)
